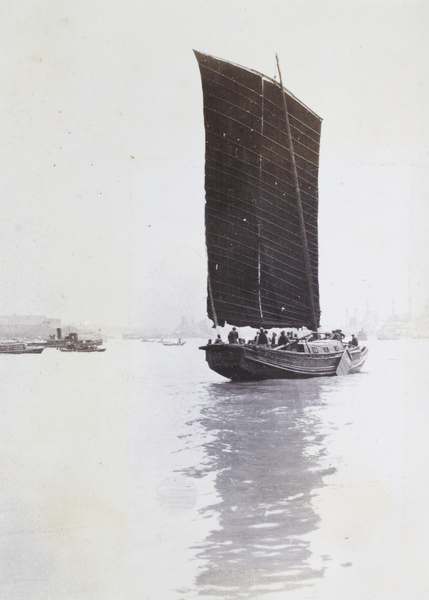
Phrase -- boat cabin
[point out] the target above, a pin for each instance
(315, 343)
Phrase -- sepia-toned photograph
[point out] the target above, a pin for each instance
(214, 310)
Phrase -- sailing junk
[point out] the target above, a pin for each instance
(261, 183)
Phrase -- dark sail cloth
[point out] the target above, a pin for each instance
(257, 267)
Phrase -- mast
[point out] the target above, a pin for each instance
(259, 273)
(299, 207)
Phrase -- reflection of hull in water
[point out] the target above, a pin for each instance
(266, 449)
(245, 363)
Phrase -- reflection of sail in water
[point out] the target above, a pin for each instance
(267, 453)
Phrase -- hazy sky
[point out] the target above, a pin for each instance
(102, 149)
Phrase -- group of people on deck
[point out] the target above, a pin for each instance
(262, 338)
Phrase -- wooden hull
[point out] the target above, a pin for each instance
(247, 363)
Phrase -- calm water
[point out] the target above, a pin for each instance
(139, 474)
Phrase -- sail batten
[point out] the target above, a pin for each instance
(269, 189)
(273, 140)
(296, 124)
(271, 162)
(256, 263)
(241, 245)
(264, 78)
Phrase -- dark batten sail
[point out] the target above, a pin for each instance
(257, 271)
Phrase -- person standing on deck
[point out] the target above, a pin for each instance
(233, 336)
(262, 338)
(283, 339)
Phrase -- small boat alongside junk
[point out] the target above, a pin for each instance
(261, 225)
